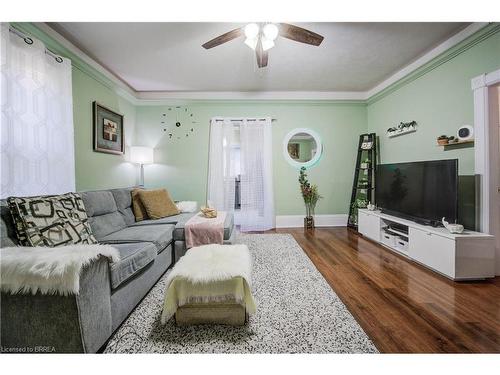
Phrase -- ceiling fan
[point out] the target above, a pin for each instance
(260, 37)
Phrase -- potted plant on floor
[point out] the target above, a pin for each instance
(310, 195)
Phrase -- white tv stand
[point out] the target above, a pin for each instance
(466, 256)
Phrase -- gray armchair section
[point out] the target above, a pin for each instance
(108, 291)
(60, 324)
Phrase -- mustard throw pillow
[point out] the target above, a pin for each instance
(140, 212)
(157, 203)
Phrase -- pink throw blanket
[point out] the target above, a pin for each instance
(200, 230)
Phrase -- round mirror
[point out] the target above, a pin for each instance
(302, 147)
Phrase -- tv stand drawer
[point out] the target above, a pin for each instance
(433, 251)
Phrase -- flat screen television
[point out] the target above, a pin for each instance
(423, 191)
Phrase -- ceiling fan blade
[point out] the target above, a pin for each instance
(262, 56)
(221, 39)
(299, 34)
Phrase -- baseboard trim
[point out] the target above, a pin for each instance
(295, 221)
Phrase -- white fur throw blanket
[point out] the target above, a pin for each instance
(50, 270)
(210, 273)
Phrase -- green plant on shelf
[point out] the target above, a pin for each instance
(358, 203)
(363, 182)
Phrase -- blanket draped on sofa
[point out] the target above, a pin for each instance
(50, 270)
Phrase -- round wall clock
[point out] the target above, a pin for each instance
(178, 122)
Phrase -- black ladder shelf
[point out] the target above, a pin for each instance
(363, 189)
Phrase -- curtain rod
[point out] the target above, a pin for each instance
(250, 119)
(29, 41)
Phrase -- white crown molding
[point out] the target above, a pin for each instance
(156, 96)
(167, 97)
(122, 89)
(297, 221)
(424, 59)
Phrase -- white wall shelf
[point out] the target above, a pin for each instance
(397, 133)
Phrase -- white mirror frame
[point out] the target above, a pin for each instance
(319, 149)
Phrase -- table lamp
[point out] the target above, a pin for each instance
(141, 155)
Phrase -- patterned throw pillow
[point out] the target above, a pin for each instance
(54, 220)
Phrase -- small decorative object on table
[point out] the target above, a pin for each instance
(442, 140)
(310, 195)
(370, 206)
(209, 212)
(465, 133)
(453, 228)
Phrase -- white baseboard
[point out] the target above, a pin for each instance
(295, 221)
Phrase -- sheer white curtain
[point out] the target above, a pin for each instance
(221, 169)
(37, 142)
(257, 196)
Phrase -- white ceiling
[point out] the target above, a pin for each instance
(169, 56)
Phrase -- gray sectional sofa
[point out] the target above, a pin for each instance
(108, 291)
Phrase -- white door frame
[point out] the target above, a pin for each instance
(480, 85)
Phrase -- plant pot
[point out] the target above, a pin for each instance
(309, 222)
(442, 142)
(364, 165)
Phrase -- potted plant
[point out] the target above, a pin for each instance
(310, 195)
(363, 182)
(452, 139)
(392, 130)
(365, 164)
(358, 203)
(442, 140)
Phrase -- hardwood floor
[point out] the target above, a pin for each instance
(402, 306)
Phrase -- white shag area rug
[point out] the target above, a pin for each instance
(297, 312)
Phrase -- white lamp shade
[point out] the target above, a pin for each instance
(251, 30)
(267, 44)
(270, 31)
(252, 43)
(141, 155)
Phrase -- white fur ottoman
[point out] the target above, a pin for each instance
(211, 284)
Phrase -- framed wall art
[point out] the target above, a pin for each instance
(108, 130)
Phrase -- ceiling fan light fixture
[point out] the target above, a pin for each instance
(252, 31)
(251, 42)
(270, 31)
(267, 43)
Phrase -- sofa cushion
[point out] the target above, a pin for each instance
(179, 227)
(134, 257)
(123, 199)
(99, 202)
(158, 203)
(138, 208)
(54, 220)
(104, 217)
(159, 235)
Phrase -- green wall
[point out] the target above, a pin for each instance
(95, 170)
(440, 102)
(438, 96)
(181, 164)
